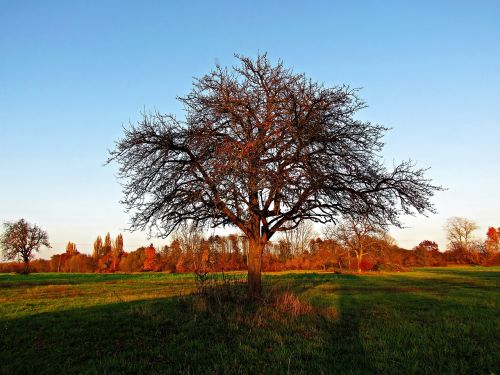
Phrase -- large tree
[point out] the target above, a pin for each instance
(262, 148)
(21, 240)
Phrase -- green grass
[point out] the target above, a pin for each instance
(433, 321)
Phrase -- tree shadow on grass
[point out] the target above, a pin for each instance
(357, 324)
(333, 324)
(480, 273)
(403, 324)
(185, 335)
(40, 279)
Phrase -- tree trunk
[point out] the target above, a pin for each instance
(254, 269)
(26, 261)
(359, 257)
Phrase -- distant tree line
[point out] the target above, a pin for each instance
(353, 246)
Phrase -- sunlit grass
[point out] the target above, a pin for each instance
(434, 320)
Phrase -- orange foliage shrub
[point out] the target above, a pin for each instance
(366, 264)
(185, 263)
(271, 263)
(133, 261)
(104, 264)
(40, 265)
(151, 261)
(492, 260)
(9, 267)
(229, 253)
(79, 263)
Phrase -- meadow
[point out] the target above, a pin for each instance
(429, 320)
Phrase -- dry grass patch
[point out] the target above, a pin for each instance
(330, 313)
(53, 292)
(289, 303)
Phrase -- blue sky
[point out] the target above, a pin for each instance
(72, 73)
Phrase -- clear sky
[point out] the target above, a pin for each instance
(72, 72)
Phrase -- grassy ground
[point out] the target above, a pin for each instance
(433, 321)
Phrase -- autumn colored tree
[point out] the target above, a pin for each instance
(492, 242)
(97, 248)
(428, 246)
(79, 263)
(40, 265)
(205, 262)
(20, 240)
(236, 249)
(107, 246)
(356, 234)
(427, 253)
(169, 256)
(104, 263)
(56, 262)
(262, 149)
(117, 251)
(284, 249)
(71, 249)
(186, 262)
(104, 257)
(190, 239)
(271, 262)
(150, 259)
(133, 261)
(326, 254)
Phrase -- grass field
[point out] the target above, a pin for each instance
(433, 321)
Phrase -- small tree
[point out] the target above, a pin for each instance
(356, 235)
(426, 253)
(459, 231)
(492, 243)
(21, 240)
(262, 149)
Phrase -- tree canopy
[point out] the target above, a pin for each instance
(263, 149)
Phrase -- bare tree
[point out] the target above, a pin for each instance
(328, 233)
(356, 235)
(459, 232)
(262, 148)
(189, 237)
(299, 238)
(21, 240)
